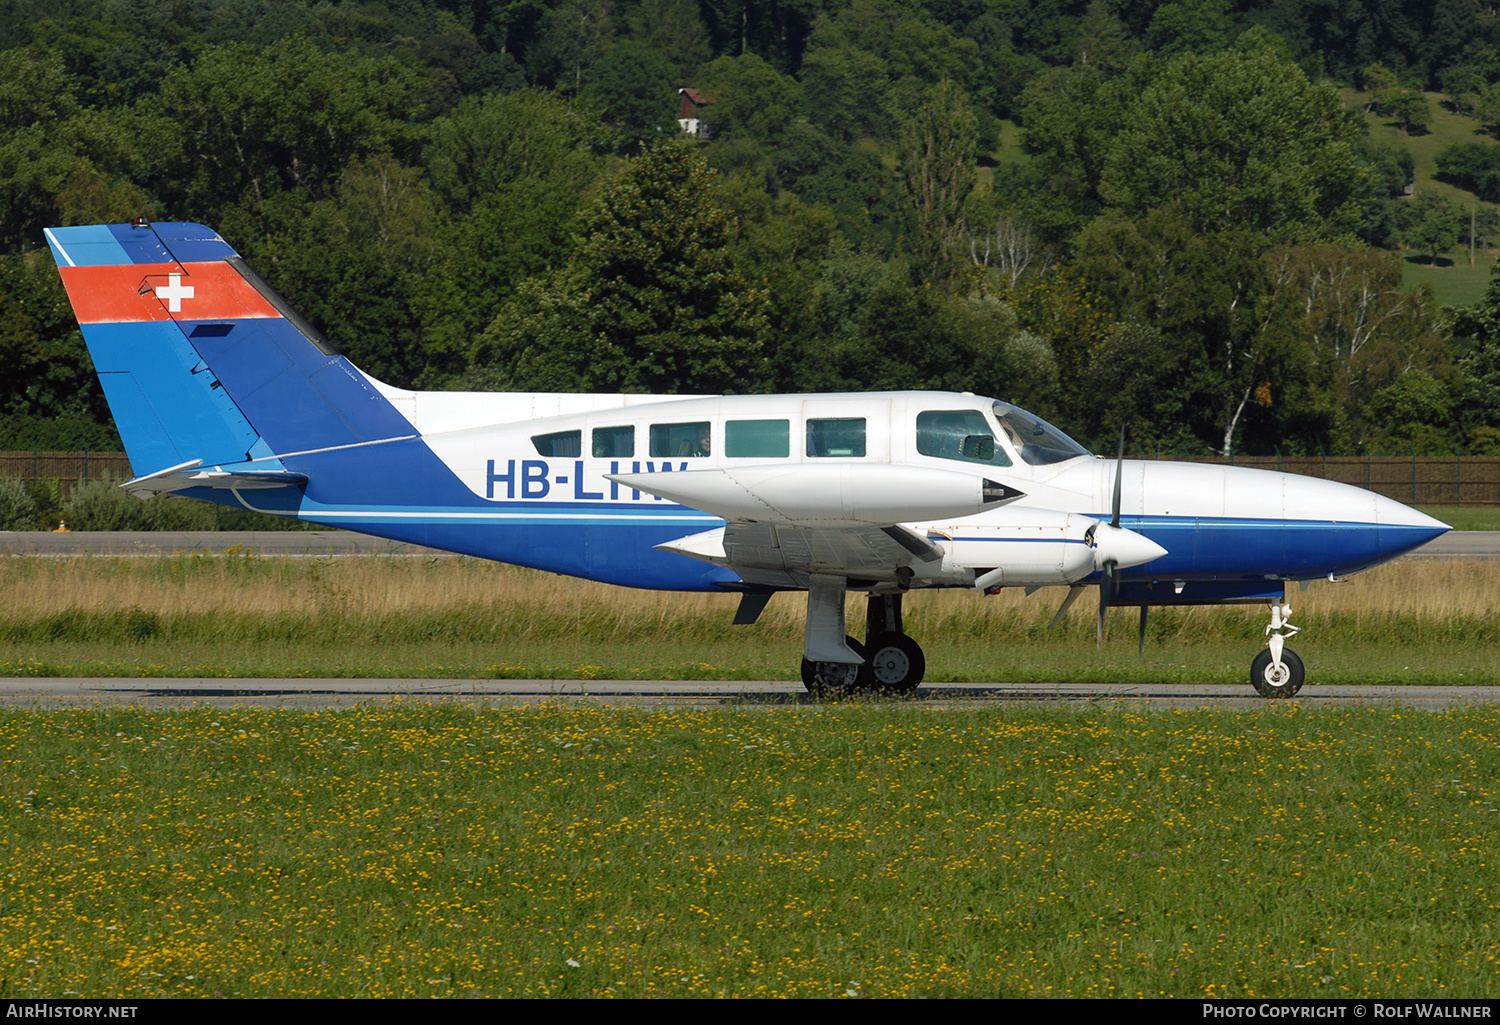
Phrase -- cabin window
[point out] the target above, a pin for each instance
(562, 445)
(690, 439)
(836, 437)
(757, 439)
(959, 434)
(614, 442)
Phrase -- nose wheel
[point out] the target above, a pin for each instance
(1274, 679)
(1277, 672)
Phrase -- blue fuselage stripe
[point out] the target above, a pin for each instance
(615, 543)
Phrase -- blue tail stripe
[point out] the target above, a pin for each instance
(297, 397)
(168, 405)
(139, 245)
(92, 245)
(148, 442)
(191, 243)
(400, 473)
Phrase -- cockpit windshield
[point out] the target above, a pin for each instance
(1037, 441)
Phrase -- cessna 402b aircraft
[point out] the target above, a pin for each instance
(222, 392)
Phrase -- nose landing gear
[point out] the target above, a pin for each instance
(1277, 672)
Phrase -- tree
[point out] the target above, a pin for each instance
(508, 174)
(651, 301)
(1379, 83)
(673, 30)
(577, 38)
(751, 100)
(1007, 245)
(1189, 26)
(1414, 413)
(1433, 225)
(1103, 41)
(633, 89)
(937, 175)
(1477, 330)
(241, 127)
(353, 264)
(1410, 109)
(1239, 141)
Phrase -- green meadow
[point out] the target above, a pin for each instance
(857, 850)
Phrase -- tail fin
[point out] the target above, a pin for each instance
(204, 364)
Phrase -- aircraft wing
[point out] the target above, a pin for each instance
(786, 522)
(193, 474)
(836, 495)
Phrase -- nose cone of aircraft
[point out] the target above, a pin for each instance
(1123, 547)
(1403, 528)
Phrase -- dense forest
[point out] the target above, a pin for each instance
(1172, 217)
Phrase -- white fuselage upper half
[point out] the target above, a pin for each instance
(791, 466)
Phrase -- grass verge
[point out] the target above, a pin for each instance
(1465, 517)
(1418, 621)
(859, 850)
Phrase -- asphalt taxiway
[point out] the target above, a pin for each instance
(308, 693)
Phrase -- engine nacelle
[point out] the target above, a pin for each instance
(1041, 547)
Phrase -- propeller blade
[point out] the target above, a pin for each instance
(1073, 593)
(1114, 507)
(1108, 588)
(1140, 648)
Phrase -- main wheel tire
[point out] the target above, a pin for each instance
(894, 664)
(1272, 682)
(835, 679)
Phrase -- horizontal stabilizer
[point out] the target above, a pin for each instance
(193, 474)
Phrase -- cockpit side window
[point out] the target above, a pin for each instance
(1037, 441)
(962, 434)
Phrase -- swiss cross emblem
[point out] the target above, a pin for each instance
(174, 292)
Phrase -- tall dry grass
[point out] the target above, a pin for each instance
(243, 595)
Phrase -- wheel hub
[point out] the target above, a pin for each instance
(836, 676)
(890, 666)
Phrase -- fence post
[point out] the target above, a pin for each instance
(34, 456)
(1457, 454)
(1278, 458)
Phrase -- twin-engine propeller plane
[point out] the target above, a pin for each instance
(222, 392)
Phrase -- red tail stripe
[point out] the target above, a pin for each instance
(127, 293)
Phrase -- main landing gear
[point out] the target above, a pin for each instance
(889, 662)
(1277, 672)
